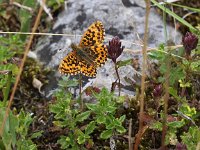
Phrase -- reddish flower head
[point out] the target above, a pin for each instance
(157, 91)
(90, 90)
(114, 49)
(189, 42)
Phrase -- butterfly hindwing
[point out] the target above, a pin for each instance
(100, 53)
(70, 64)
(88, 70)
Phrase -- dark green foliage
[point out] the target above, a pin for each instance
(183, 71)
(68, 115)
(15, 133)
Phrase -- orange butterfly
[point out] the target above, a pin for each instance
(88, 55)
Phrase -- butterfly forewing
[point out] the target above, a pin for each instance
(94, 35)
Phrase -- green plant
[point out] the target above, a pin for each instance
(183, 73)
(9, 49)
(15, 133)
(105, 110)
(55, 5)
(191, 137)
(82, 124)
(25, 17)
(24, 141)
(177, 72)
(8, 138)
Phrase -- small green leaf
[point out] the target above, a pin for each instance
(120, 129)
(111, 109)
(6, 90)
(171, 138)
(81, 139)
(187, 110)
(81, 117)
(104, 97)
(124, 63)
(157, 54)
(36, 134)
(122, 118)
(90, 127)
(195, 66)
(173, 92)
(120, 99)
(110, 126)
(176, 74)
(101, 119)
(64, 142)
(81, 136)
(106, 134)
(176, 124)
(66, 82)
(184, 84)
(156, 126)
(92, 107)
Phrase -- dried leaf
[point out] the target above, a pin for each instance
(37, 84)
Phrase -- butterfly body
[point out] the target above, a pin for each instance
(88, 55)
(84, 54)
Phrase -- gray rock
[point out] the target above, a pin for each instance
(123, 18)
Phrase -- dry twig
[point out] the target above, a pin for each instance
(144, 65)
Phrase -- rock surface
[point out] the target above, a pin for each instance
(122, 18)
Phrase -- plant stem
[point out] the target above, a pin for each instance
(7, 89)
(166, 97)
(119, 83)
(186, 77)
(130, 146)
(80, 90)
(144, 65)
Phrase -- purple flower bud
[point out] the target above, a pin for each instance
(114, 49)
(90, 90)
(157, 91)
(181, 146)
(189, 42)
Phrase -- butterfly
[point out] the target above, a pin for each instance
(88, 55)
